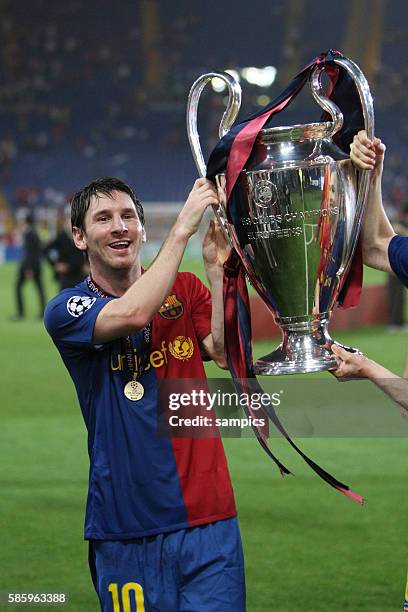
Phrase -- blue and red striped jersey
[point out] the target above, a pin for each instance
(141, 483)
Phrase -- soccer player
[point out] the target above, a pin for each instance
(384, 250)
(160, 516)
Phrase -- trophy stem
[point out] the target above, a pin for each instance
(305, 347)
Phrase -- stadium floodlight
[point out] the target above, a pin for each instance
(234, 73)
(262, 77)
(263, 100)
(218, 85)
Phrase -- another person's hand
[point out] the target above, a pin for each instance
(350, 366)
(202, 195)
(367, 154)
(216, 249)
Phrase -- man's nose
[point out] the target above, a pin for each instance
(119, 225)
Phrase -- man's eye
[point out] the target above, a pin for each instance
(128, 216)
(102, 219)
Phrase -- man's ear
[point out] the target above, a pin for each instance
(79, 238)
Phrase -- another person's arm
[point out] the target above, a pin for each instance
(215, 253)
(355, 365)
(377, 231)
(137, 307)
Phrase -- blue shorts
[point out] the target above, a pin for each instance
(191, 570)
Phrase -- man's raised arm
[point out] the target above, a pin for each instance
(137, 307)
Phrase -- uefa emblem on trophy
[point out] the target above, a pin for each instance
(297, 214)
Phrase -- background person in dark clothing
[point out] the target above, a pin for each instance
(66, 260)
(30, 266)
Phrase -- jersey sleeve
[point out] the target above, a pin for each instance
(398, 256)
(70, 318)
(200, 307)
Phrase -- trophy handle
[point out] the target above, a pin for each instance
(366, 100)
(328, 105)
(228, 118)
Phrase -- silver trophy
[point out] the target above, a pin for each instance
(298, 222)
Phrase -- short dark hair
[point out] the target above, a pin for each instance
(105, 185)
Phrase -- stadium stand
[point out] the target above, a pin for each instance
(96, 88)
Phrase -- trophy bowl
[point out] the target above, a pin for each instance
(295, 223)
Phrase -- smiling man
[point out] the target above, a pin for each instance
(160, 516)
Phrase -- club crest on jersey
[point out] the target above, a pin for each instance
(182, 348)
(172, 308)
(78, 304)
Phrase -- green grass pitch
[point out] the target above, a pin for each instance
(307, 547)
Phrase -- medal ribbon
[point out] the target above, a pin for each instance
(135, 368)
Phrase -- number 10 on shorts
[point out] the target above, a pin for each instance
(125, 594)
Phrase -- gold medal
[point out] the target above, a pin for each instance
(134, 390)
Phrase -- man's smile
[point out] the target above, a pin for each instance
(120, 245)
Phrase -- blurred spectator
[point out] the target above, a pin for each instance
(74, 64)
(30, 267)
(66, 260)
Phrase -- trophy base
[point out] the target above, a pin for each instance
(306, 347)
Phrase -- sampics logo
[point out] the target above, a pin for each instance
(172, 308)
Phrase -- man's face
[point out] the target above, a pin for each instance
(113, 232)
